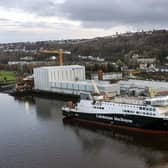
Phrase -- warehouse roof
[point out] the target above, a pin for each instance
(60, 67)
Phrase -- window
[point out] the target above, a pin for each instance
(102, 108)
(148, 102)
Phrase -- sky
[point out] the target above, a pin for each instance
(38, 20)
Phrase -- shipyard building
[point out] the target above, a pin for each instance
(69, 80)
(138, 86)
(44, 76)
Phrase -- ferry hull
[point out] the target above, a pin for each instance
(131, 122)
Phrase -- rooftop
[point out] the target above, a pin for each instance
(60, 67)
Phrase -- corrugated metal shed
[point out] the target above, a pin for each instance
(68, 80)
(44, 75)
(159, 86)
(75, 87)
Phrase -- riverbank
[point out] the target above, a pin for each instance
(5, 88)
(42, 94)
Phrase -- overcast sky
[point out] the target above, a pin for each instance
(31, 20)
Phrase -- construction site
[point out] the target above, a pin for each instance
(70, 80)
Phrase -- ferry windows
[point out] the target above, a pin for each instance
(102, 108)
(147, 113)
(151, 109)
(148, 103)
(128, 111)
(142, 108)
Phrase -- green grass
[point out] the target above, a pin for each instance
(7, 76)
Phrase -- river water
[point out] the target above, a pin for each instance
(33, 134)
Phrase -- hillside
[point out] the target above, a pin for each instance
(146, 44)
(153, 44)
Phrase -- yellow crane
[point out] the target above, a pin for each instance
(96, 90)
(59, 52)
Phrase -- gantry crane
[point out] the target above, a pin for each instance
(59, 52)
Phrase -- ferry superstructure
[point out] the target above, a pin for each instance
(141, 114)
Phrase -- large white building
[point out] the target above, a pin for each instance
(44, 75)
(68, 80)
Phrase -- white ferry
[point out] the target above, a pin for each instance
(139, 114)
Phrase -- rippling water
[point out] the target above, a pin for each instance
(33, 134)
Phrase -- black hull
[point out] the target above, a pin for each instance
(131, 122)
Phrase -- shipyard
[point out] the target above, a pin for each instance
(88, 99)
(135, 98)
(83, 84)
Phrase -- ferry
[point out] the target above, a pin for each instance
(144, 114)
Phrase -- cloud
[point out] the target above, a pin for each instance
(39, 7)
(75, 18)
(98, 14)
(109, 13)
